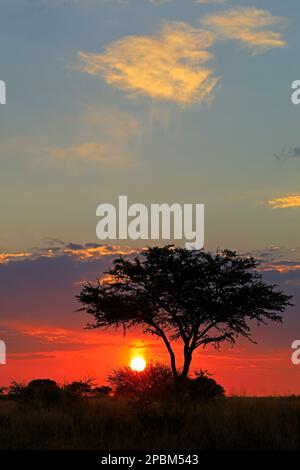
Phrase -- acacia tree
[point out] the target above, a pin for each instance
(193, 296)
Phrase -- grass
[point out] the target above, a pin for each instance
(112, 423)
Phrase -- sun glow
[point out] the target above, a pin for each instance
(138, 364)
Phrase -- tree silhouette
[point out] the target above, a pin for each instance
(152, 382)
(194, 296)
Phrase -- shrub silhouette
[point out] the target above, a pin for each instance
(17, 390)
(103, 391)
(79, 388)
(85, 388)
(204, 387)
(44, 392)
(156, 383)
(151, 383)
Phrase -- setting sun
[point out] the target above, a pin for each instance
(138, 364)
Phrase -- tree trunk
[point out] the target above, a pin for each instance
(173, 364)
(186, 365)
(162, 334)
(181, 381)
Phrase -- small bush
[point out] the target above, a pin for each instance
(44, 392)
(79, 389)
(47, 392)
(205, 388)
(151, 383)
(103, 391)
(17, 390)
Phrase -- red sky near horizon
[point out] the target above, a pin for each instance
(244, 369)
(45, 335)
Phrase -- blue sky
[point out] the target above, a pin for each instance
(155, 150)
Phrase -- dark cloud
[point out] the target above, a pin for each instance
(74, 246)
(288, 153)
(41, 290)
(29, 357)
(92, 245)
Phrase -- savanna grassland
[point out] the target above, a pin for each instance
(114, 423)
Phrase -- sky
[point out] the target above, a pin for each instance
(163, 101)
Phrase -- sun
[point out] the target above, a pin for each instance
(138, 364)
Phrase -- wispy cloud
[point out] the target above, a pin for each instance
(248, 25)
(159, 2)
(108, 134)
(211, 2)
(56, 248)
(285, 202)
(7, 257)
(105, 140)
(117, 125)
(168, 66)
(287, 153)
(98, 152)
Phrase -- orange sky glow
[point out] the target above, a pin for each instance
(243, 370)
